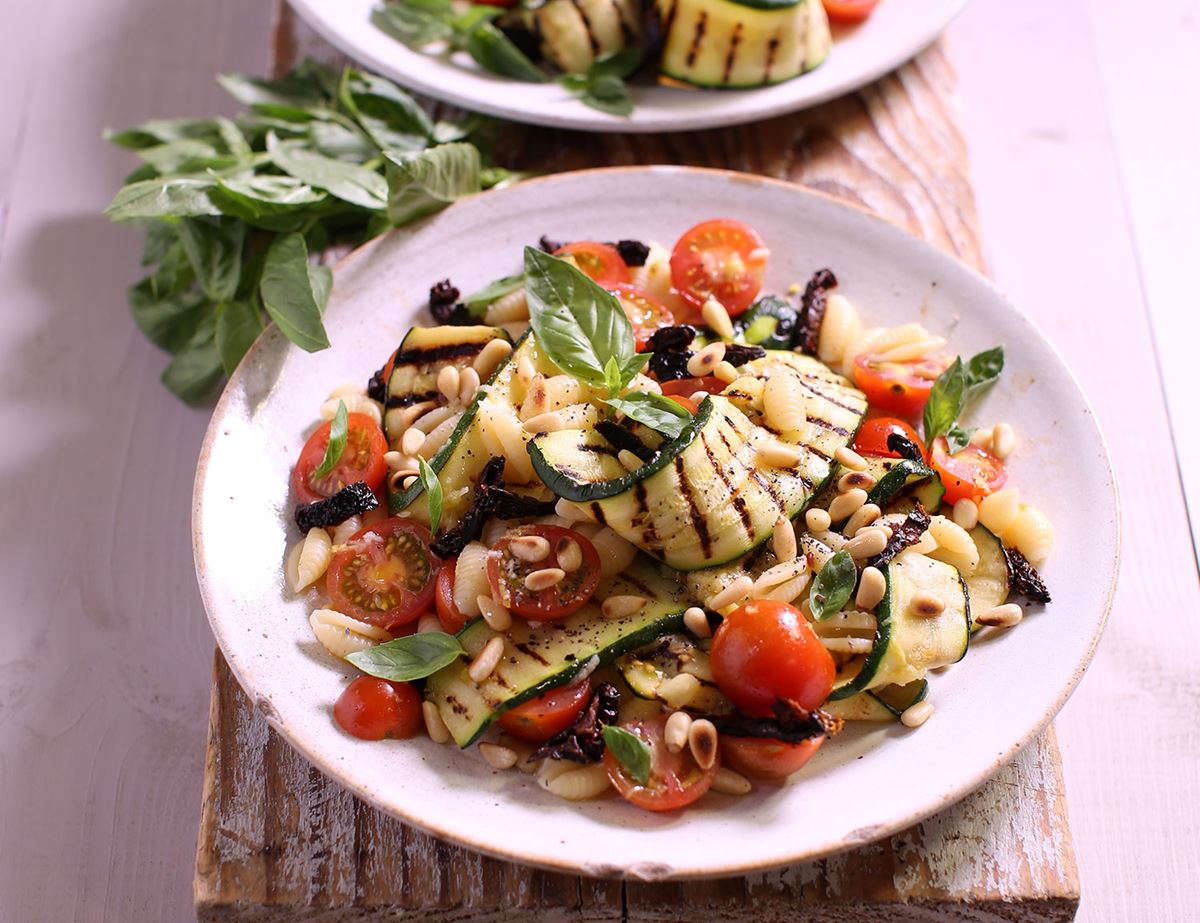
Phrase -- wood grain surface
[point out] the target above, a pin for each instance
(279, 841)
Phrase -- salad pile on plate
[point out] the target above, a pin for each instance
(623, 521)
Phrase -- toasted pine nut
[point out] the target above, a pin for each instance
(531, 548)
(1004, 440)
(569, 554)
(817, 520)
(982, 437)
(778, 454)
(448, 381)
(852, 479)
(525, 369)
(569, 511)
(703, 362)
(848, 645)
(966, 513)
(435, 727)
(675, 734)
(402, 479)
(409, 481)
(679, 690)
(468, 384)
(1005, 616)
(783, 539)
(702, 741)
(871, 587)
(489, 357)
(717, 317)
(867, 545)
(487, 661)
(616, 607)
(735, 592)
(498, 757)
(725, 372)
(844, 505)
(549, 422)
(884, 528)
(848, 458)
(862, 517)
(696, 622)
(497, 617)
(916, 715)
(545, 578)
(728, 782)
(411, 441)
(629, 460)
(928, 605)
(429, 622)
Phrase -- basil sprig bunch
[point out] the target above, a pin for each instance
(233, 209)
(951, 392)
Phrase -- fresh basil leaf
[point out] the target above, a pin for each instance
(621, 63)
(160, 238)
(172, 196)
(832, 586)
(340, 142)
(409, 658)
(186, 155)
(608, 94)
(472, 17)
(612, 375)
(478, 300)
(238, 323)
(632, 366)
(168, 320)
(946, 400)
(579, 324)
(415, 22)
(163, 131)
(194, 370)
(657, 412)
(277, 203)
(339, 429)
(288, 294)
(295, 97)
(214, 250)
(500, 178)
(433, 492)
(957, 438)
(631, 752)
(347, 181)
(320, 279)
(983, 369)
(233, 139)
(391, 117)
(421, 184)
(447, 130)
(494, 51)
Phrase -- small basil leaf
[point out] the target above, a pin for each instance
(433, 491)
(631, 752)
(169, 320)
(288, 293)
(415, 22)
(320, 278)
(608, 94)
(983, 369)
(339, 429)
(173, 196)
(618, 64)
(421, 184)
(295, 97)
(832, 586)
(391, 117)
(278, 203)
(494, 51)
(957, 438)
(182, 156)
(238, 324)
(409, 658)
(654, 410)
(946, 400)
(194, 370)
(477, 301)
(347, 181)
(231, 136)
(214, 249)
(632, 366)
(163, 131)
(612, 375)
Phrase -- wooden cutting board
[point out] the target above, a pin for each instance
(280, 842)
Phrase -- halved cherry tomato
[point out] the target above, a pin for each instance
(849, 10)
(374, 709)
(689, 386)
(873, 436)
(452, 620)
(555, 710)
(645, 312)
(972, 473)
(765, 651)
(722, 259)
(766, 758)
(361, 460)
(507, 573)
(897, 387)
(676, 780)
(386, 574)
(600, 261)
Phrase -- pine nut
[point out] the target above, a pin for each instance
(735, 592)
(702, 741)
(629, 460)
(569, 511)
(525, 369)
(497, 616)
(866, 545)
(717, 317)
(871, 587)
(778, 454)
(862, 517)
(998, 511)
(498, 757)
(695, 621)
(402, 479)
(817, 520)
(489, 357)
(448, 381)
(982, 437)
(487, 661)
(549, 422)
(703, 362)
(429, 622)
(725, 372)
(409, 481)
(848, 645)
(679, 690)
(396, 460)
(531, 548)
(1005, 616)
(545, 578)
(852, 479)
(916, 715)
(569, 554)
(411, 441)
(1004, 440)
(845, 505)
(848, 458)
(698, 397)
(435, 727)
(675, 734)
(928, 605)
(884, 528)
(404, 417)
(728, 782)
(618, 607)
(783, 539)
(966, 513)
(468, 384)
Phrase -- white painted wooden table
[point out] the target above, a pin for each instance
(1085, 133)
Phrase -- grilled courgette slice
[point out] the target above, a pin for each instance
(886, 703)
(989, 582)
(647, 669)
(576, 32)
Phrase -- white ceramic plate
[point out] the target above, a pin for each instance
(896, 31)
(864, 785)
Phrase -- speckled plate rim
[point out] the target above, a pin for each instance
(261, 697)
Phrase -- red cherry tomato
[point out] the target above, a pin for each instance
(766, 651)
(722, 259)
(555, 710)
(507, 573)
(361, 460)
(452, 620)
(645, 312)
(689, 386)
(765, 758)
(873, 436)
(676, 780)
(849, 11)
(600, 261)
(374, 709)
(897, 387)
(972, 473)
(386, 574)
